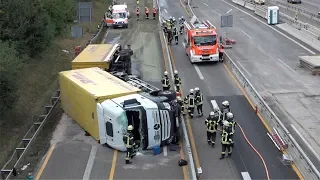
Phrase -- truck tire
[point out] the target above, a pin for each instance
(171, 95)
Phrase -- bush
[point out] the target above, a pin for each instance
(32, 24)
(9, 67)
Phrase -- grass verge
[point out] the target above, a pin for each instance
(38, 80)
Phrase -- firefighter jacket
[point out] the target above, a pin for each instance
(224, 112)
(212, 124)
(175, 32)
(190, 100)
(226, 138)
(199, 98)
(165, 81)
(128, 140)
(233, 125)
(177, 80)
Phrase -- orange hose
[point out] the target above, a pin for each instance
(263, 162)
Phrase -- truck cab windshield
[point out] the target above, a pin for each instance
(209, 40)
(121, 15)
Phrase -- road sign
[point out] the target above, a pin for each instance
(76, 31)
(227, 21)
(84, 11)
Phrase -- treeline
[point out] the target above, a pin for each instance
(26, 29)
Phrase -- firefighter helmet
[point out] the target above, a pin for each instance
(212, 113)
(196, 89)
(175, 72)
(229, 115)
(225, 103)
(191, 91)
(130, 128)
(166, 73)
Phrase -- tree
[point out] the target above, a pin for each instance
(9, 67)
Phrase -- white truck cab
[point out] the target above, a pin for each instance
(116, 114)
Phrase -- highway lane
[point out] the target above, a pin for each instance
(270, 61)
(215, 83)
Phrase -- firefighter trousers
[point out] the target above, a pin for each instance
(225, 147)
(178, 88)
(191, 111)
(166, 88)
(199, 109)
(176, 38)
(211, 137)
(130, 154)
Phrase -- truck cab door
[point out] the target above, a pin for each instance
(112, 123)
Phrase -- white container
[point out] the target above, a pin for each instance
(273, 15)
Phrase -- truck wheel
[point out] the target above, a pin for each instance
(171, 95)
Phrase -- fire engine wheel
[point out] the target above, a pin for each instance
(171, 95)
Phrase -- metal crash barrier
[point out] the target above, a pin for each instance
(293, 154)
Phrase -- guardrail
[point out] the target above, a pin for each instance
(306, 12)
(294, 150)
(10, 168)
(186, 147)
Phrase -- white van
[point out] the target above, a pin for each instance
(117, 16)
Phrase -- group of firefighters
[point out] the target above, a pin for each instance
(170, 28)
(146, 11)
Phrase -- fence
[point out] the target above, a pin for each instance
(19, 154)
(306, 12)
(299, 157)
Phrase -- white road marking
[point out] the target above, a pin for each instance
(229, 11)
(165, 150)
(214, 104)
(198, 71)
(306, 142)
(244, 68)
(210, 90)
(288, 67)
(271, 28)
(87, 172)
(245, 176)
(165, 11)
(206, 4)
(184, 45)
(246, 34)
(161, 4)
(313, 4)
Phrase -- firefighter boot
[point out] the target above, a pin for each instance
(213, 144)
(209, 142)
(128, 162)
(222, 156)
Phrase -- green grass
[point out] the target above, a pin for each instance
(38, 81)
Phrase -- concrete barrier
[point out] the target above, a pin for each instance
(239, 2)
(261, 11)
(250, 6)
(302, 35)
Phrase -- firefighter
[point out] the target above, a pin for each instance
(226, 142)
(212, 126)
(190, 100)
(224, 110)
(147, 12)
(232, 123)
(177, 80)
(176, 35)
(165, 81)
(169, 35)
(164, 27)
(181, 26)
(137, 2)
(154, 12)
(199, 101)
(138, 13)
(180, 102)
(128, 140)
(221, 52)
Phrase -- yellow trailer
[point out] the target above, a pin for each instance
(81, 91)
(96, 55)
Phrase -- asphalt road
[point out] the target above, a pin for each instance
(76, 156)
(216, 83)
